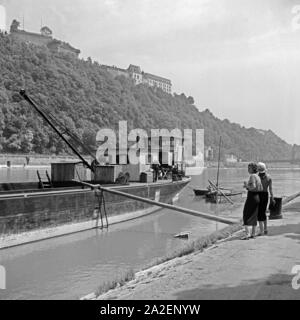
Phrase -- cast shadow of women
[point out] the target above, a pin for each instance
(276, 286)
(291, 231)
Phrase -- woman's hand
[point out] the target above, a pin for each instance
(272, 201)
(245, 184)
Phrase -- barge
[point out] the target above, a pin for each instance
(28, 213)
(64, 203)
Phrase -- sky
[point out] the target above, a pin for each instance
(239, 58)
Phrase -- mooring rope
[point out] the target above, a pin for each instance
(101, 203)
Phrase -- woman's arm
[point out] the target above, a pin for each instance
(251, 186)
(271, 189)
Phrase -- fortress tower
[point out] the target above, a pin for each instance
(44, 38)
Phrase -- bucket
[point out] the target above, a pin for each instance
(275, 210)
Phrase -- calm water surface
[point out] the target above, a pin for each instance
(72, 266)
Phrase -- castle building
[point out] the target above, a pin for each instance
(44, 38)
(138, 76)
(156, 81)
(115, 71)
(135, 73)
(64, 47)
(31, 37)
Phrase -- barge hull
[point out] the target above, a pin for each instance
(34, 216)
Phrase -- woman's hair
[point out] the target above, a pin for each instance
(253, 166)
(261, 174)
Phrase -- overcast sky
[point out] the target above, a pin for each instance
(239, 58)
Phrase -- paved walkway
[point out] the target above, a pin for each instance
(233, 269)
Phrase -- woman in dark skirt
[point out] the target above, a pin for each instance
(266, 182)
(250, 211)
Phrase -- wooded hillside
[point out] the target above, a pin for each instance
(87, 98)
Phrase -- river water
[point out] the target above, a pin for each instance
(72, 266)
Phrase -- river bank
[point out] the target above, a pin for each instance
(230, 269)
(33, 160)
(21, 160)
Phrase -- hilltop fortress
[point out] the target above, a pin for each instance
(44, 38)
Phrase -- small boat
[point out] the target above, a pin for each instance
(214, 195)
(227, 194)
(201, 192)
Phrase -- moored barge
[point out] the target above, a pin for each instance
(64, 203)
(29, 214)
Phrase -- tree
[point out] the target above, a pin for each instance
(89, 138)
(14, 26)
(191, 100)
(27, 141)
(45, 31)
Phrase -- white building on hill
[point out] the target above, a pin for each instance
(139, 76)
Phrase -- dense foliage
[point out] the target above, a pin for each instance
(86, 98)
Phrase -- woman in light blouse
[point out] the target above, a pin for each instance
(250, 211)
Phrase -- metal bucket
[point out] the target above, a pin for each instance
(275, 210)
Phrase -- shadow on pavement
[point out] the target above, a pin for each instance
(291, 231)
(277, 286)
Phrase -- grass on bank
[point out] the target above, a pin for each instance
(118, 282)
(197, 245)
